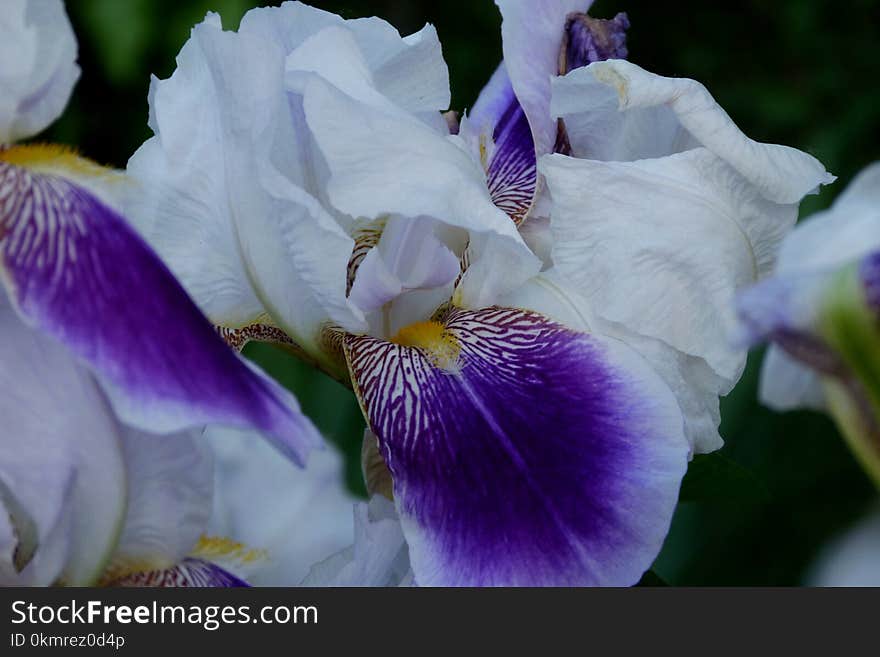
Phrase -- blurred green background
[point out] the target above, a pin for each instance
(797, 72)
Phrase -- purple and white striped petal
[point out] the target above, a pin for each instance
(77, 271)
(511, 169)
(191, 572)
(521, 129)
(523, 453)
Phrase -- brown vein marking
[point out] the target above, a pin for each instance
(237, 338)
(331, 344)
(377, 476)
(365, 238)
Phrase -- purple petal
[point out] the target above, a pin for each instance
(188, 573)
(511, 171)
(77, 271)
(869, 271)
(523, 453)
(589, 40)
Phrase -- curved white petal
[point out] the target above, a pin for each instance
(62, 475)
(787, 384)
(847, 231)
(531, 34)
(421, 174)
(617, 110)
(37, 66)
(170, 486)
(409, 71)
(662, 245)
(228, 177)
(297, 516)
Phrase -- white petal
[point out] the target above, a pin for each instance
(780, 174)
(170, 485)
(531, 34)
(234, 221)
(409, 71)
(786, 384)
(661, 246)
(846, 232)
(409, 256)
(297, 516)
(421, 174)
(37, 66)
(379, 556)
(61, 458)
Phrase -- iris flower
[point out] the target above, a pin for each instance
(106, 365)
(530, 304)
(821, 313)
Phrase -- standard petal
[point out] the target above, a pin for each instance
(409, 71)
(37, 66)
(225, 198)
(532, 34)
(170, 486)
(523, 453)
(378, 557)
(617, 110)
(76, 270)
(661, 246)
(62, 476)
(293, 516)
(433, 176)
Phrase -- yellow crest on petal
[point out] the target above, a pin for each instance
(434, 340)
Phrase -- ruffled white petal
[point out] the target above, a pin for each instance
(421, 174)
(297, 516)
(409, 71)
(37, 66)
(235, 220)
(779, 173)
(662, 245)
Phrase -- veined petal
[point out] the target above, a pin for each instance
(635, 114)
(170, 485)
(62, 477)
(293, 516)
(191, 572)
(695, 385)
(76, 270)
(506, 146)
(522, 452)
(37, 66)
